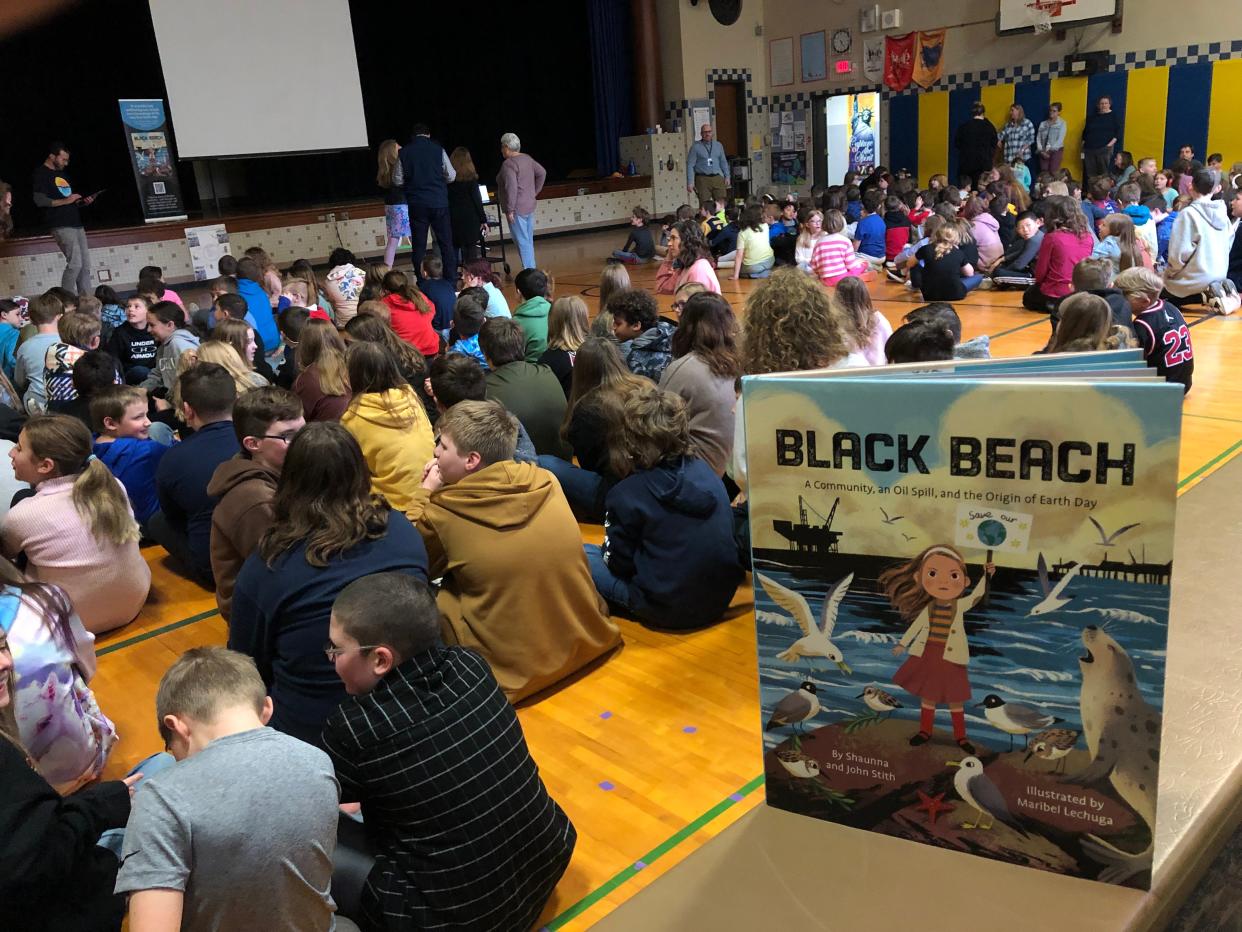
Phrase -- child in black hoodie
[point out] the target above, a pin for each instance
(899, 232)
(669, 556)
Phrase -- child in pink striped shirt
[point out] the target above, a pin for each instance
(833, 257)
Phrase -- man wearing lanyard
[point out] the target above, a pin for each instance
(707, 168)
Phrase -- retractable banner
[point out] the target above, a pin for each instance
(150, 152)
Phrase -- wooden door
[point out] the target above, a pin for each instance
(729, 129)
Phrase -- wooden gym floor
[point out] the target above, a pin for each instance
(657, 749)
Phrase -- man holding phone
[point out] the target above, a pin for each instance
(55, 195)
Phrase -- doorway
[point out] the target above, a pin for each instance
(730, 97)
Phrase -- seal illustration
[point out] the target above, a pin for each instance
(1123, 738)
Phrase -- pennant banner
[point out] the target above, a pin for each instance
(873, 58)
(898, 61)
(929, 62)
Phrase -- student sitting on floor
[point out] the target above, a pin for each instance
(1066, 243)
(328, 529)
(833, 257)
(265, 421)
(532, 313)
(54, 876)
(182, 526)
(1119, 244)
(387, 418)
(920, 341)
(870, 232)
(1017, 265)
(502, 536)
(92, 373)
(942, 315)
(1159, 326)
(898, 228)
(411, 314)
(568, 325)
(462, 840)
(77, 531)
(1095, 276)
(79, 334)
(469, 320)
(669, 557)
(639, 246)
(947, 274)
(1128, 202)
(57, 716)
(132, 343)
(754, 257)
(167, 324)
(645, 338)
(440, 293)
(119, 415)
(322, 381)
(263, 860)
(866, 330)
(1086, 326)
(454, 378)
(531, 393)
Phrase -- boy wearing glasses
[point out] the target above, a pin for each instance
(207, 850)
(265, 421)
(465, 833)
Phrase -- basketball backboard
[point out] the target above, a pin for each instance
(1024, 16)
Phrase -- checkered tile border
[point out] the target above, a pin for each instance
(676, 109)
(1198, 54)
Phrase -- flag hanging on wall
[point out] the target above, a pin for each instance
(929, 61)
(898, 61)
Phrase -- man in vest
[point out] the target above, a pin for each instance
(427, 172)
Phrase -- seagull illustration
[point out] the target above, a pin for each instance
(979, 792)
(815, 641)
(1053, 599)
(795, 708)
(891, 519)
(1015, 718)
(1107, 540)
(909, 536)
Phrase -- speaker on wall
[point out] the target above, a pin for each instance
(726, 11)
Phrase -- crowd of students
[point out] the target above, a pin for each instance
(396, 468)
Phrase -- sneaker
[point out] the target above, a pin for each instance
(894, 276)
(908, 285)
(987, 284)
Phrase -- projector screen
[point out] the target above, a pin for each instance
(259, 77)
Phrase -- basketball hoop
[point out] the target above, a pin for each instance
(1043, 21)
(1042, 12)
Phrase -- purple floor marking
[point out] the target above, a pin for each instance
(607, 785)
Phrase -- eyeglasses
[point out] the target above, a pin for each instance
(283, 438)
(331, 651)
(678, 306)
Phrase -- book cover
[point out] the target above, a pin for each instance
(961, 603)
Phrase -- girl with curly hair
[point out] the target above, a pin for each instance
(688, 259)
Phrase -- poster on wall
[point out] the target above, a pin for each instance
(852, 134)
(789, 168)
(154, 162)
(957, 649)
(814, 57)
(207, 244)
(700, 117)
(873, 59)
(780, 62)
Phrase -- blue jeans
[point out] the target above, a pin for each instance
(114, 838)
(617, 592)
(584, 490)
(972, 282)
(760, 269)
(523, 229)
(630, 257)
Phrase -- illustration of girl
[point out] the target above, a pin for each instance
(928, 593)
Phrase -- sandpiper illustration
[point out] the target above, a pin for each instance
(815, 641)
(979, 792)
(798, 763)
(1015, 718)
(795, 708)
(1053, 598)
(1054, 745)
(878, 701)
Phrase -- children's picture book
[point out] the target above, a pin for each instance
(961, 603)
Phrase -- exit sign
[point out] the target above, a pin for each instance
(842, 69)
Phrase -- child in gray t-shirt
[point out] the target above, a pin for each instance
(239, 834)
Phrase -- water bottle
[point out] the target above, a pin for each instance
(631, 169)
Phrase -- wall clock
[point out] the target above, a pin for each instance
(841, 41)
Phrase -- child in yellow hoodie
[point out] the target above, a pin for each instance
(516, 588)
(389, 422)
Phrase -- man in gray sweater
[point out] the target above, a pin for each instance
(519, 182)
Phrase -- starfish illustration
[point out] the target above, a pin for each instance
(932, 805)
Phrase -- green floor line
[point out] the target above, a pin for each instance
(1005, 333)
(657, 852)
(1218, 458)
(156, 632)
(1212, 417)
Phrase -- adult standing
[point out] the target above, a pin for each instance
(707, 167)
(466, 212)
(975, 141)
(426, 173)
(1050, 140)
(1017, 136)
(54, 193)
(1099, 135)
(520, 180)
